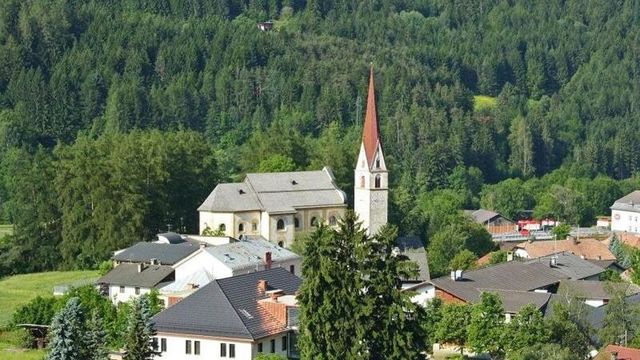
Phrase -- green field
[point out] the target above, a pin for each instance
(481, 102)
(20, 289)
(9, 350)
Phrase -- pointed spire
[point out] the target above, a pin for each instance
(370, 135)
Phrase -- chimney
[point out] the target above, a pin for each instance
(509, 255)
(553, 262)
(275, 294)
(459, 274)
(140, 267)
(453, 275)
(262, 286)
(267, 260)
(202, 245)
(153, 262)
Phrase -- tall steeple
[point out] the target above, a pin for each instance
(371, 176)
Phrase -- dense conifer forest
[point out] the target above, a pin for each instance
(118, 117)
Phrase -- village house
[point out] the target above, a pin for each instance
(617, 352)
(625, 212)
(598, 293)
(517, 283)
(585, 248)
(492, 221)
(233, 318)
(178, 269)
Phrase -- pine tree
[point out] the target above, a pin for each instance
(96, 339)
(139, 339)
(68, 333)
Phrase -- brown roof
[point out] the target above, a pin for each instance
(622, 353)
(588, 248)
(370, 135)
(632, 240)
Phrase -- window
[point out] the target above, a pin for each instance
(259, 347)
(361, 181)
(284, 343)
(223, 350)
(196, 347)
(154, 343)
(314, 221)
(254, 226)
(222, 227)
(163, 344)
(232, 350)
(333, 221)
(137, 290)
(121, 289)
(241, 227)
(281, 243)
(377, 163)
(378, 180)
(296, 222)
(292, 269)
(280, 224)
(187, 347)
(273, 345)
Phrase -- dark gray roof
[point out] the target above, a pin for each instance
(596, 315)
(510, 276)
(281, 192)
(165, 254)
(128, 275)
(593, 289)
(513, 301)
(229, 307)
(629, 202)
(482, 215)
(571, 265)
(412, 248)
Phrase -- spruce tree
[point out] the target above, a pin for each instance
(140, 334)
(68, 333)
(96, 339)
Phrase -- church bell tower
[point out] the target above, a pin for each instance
(371, 185)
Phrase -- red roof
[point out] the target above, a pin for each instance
(622, 353)
(370, 134)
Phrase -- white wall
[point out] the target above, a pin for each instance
(627, 221)
(594, 302)
(210, 347)
(423, 293)
(213, 221)
(129, 293)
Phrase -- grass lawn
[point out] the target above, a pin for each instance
(18, 290)
(6, 229)
(483, 102)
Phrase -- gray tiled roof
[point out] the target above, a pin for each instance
(592, 289)
(128, 275)
(228, 307)
(250, 254)
(282, 192)
(165, 254)
(571, 265)
(513, 301)
(412, 247)
(481, 215)
(629, 202)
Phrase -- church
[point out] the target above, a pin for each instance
(279, 205)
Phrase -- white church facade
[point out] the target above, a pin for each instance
(277, 206)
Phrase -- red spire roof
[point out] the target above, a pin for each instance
(370, 135)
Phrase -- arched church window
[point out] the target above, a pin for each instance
(361, 181)
(281, 243)
(280, 224)
(222, 227)
(378, 180)
(377, 163)
(314, 221)
(296, 222)
(240, 227)
(333, 221)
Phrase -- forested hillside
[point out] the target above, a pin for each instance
(118, 117)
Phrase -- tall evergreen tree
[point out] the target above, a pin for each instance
(68, 337)
(139, 338)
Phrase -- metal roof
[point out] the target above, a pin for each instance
(229, 307)
(282, 192)
(128, 275)
(165, 254)
(250, 254)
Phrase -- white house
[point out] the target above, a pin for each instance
(233, 318)
(129, 281)
(625, 212)
(273, 205)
